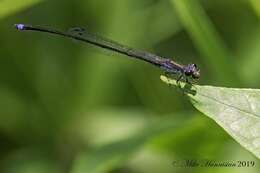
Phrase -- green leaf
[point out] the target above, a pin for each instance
(8, 7)
(235, 110)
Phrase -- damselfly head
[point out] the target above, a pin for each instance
(192, 70)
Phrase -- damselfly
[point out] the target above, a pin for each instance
(183, 72)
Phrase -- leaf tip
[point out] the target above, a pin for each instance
(167, 80)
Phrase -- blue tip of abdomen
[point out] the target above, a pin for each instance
(20, 26)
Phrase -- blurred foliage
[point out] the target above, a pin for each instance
(61, 101)
(256, 6)
(8, 7)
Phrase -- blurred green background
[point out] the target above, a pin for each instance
(68, 107)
